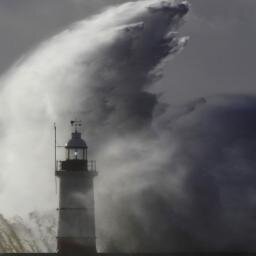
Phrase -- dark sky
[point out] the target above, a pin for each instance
(221, 54)
(219, 58)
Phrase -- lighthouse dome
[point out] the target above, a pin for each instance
(76, 141)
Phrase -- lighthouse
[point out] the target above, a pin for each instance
(76, 224)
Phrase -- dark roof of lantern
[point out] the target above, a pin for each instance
(76, 141)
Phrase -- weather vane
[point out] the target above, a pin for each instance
(76, 124)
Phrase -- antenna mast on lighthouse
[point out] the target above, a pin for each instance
(55, 155)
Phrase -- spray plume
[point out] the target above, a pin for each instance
(96, 70)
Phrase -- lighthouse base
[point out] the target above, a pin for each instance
(71, 247)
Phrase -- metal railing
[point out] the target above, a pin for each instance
(90, 166)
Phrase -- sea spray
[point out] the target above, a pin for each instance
(99, 71)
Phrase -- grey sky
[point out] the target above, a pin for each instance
(24, 23)
(220, 57)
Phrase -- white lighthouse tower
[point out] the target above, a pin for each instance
(76, 228)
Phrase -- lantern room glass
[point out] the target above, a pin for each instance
(76, 154)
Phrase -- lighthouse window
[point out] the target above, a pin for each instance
(76, 154)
